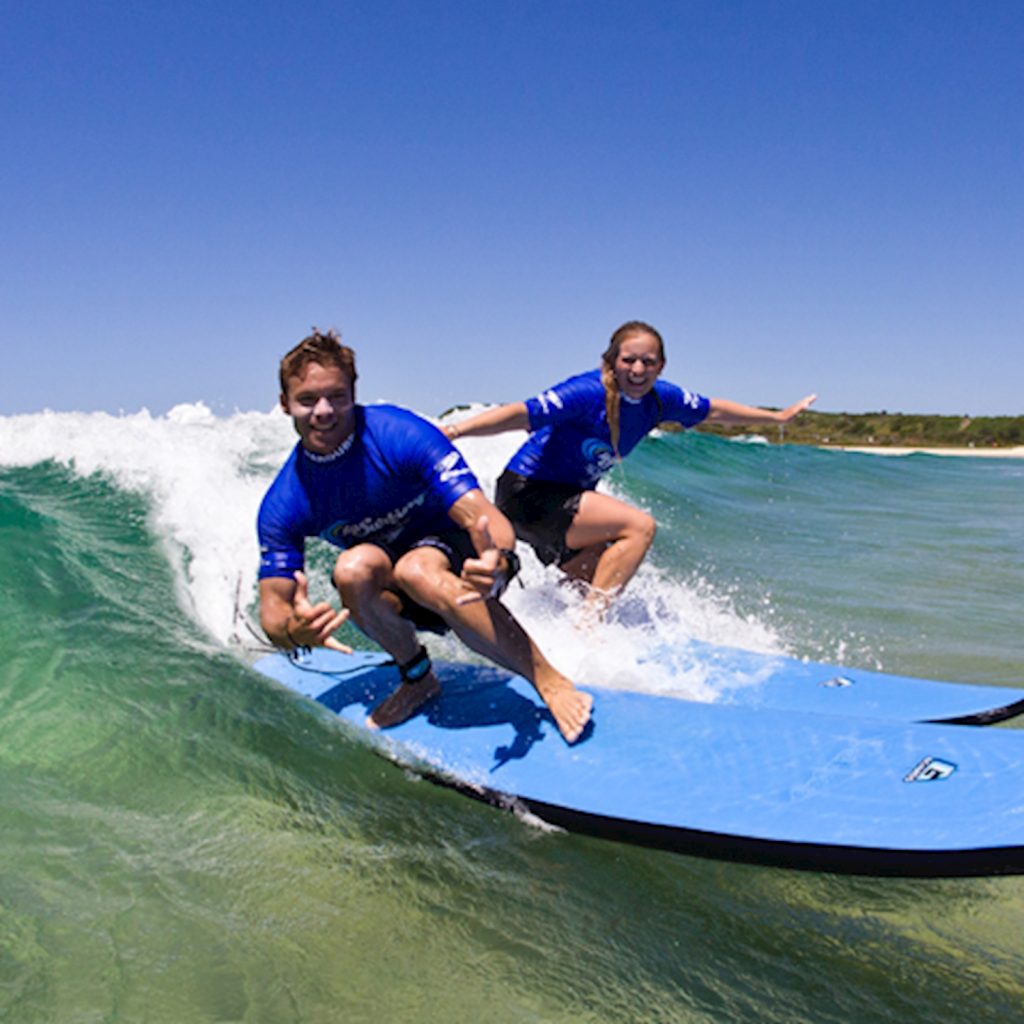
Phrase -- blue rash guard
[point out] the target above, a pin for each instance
(391, 483)
(570, 442)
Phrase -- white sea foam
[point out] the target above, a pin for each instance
(204, 476)
(658, 612)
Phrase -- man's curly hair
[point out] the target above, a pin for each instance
(323, 347)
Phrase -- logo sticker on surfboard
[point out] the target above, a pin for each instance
(930, 769)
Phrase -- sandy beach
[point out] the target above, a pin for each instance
(978, 453)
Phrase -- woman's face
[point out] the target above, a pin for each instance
(637, 365)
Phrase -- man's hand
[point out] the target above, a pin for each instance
(486, 573)
(312, 625)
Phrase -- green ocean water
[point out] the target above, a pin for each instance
(183, 841)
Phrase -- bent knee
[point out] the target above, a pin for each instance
(419, 577)
(411, 574)
(652, 528)
(360, 568)
(643, 527)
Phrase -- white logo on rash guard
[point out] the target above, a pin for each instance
(449, 469)
(345, 533)
(599, 455)
(693, 401)
(551, 397)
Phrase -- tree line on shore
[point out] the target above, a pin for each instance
(887, 429)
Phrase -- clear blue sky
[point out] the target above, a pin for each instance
(802, 195)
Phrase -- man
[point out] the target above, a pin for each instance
(423, 547)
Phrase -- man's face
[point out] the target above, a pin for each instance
(321, 403)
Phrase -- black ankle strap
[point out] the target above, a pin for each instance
(413, 671)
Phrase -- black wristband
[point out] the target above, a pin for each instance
(503, 579)
(513, 564)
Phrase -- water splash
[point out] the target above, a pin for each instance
(204, 476)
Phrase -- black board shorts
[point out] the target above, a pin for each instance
(541, 512)
(458, 546)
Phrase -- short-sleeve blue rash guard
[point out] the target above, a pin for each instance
(391, 484)
(570, 441)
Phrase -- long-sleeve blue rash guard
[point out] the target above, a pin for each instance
(392, 483)
(571, 442)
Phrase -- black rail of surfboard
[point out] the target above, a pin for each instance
(990, 717)
(820, 857)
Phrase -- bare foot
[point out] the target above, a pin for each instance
(404, 702)
(597, 604)
(589, 618)
(569, 707)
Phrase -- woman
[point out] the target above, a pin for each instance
(579, 429)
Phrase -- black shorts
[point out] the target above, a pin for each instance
(541, 512)
(458, 546)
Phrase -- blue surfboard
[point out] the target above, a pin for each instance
(763, 785)
(751, 680)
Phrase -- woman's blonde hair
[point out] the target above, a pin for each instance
(612, 394)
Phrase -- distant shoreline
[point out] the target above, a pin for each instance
(891, 433)
(1016, 452)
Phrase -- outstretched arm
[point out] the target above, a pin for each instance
(491, 421)
(724, 411)
(291, 620)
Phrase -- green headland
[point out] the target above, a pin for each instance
(885, 429)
